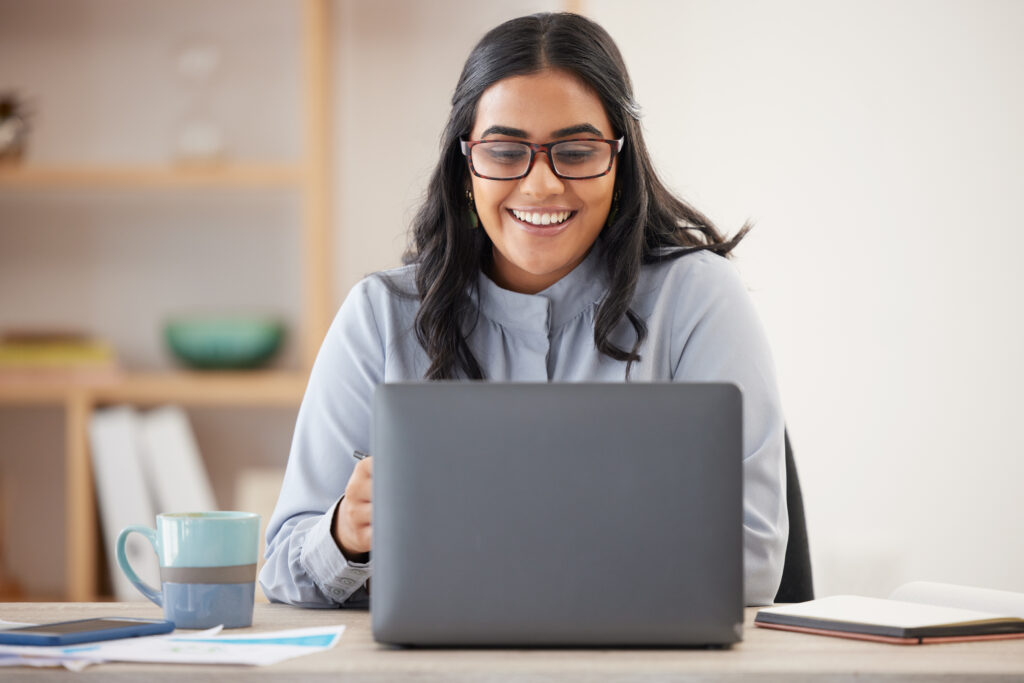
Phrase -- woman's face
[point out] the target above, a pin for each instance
(547, 106)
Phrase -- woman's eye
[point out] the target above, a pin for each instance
(575, 155)
(506, 154)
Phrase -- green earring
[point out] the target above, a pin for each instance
(615, 208)
(474, 220)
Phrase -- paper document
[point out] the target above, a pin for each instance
(4, 625)
(256, 649)
(203, 647)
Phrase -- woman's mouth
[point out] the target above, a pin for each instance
(542, 222)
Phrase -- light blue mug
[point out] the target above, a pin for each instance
(207, 566)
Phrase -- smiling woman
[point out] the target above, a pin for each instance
(541, 222)
(546, 249)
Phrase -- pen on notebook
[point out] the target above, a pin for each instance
(360, 455)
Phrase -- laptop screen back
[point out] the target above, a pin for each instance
(557, 514)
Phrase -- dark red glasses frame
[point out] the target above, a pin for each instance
(545, 148)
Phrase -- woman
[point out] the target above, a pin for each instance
(546, 250)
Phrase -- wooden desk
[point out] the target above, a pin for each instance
(764, 655)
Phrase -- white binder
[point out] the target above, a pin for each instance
(123, 495)
(172, 463)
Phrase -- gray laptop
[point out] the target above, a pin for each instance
(514, 514)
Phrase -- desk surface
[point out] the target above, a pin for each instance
(764, 655)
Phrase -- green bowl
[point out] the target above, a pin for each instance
(224, 343)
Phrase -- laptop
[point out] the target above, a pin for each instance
(542, 515)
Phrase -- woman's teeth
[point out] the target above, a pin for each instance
(535, 218)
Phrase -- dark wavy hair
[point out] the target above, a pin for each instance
(648, 218)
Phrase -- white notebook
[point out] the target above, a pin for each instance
(918, 612)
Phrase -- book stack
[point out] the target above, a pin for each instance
(144, 464)
(29, 355)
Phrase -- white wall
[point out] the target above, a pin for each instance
(879, 147)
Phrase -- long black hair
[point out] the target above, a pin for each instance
(647, 218)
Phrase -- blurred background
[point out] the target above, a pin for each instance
(236, 159)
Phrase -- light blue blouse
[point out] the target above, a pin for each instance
(701, 327)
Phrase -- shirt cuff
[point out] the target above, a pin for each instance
(326, 565)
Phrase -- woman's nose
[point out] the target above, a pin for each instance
(541, 181)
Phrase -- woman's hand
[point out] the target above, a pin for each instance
(352, 525)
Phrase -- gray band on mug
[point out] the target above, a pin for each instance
(241, 573)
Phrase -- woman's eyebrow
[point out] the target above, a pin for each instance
(575, 130)
(504, 130)
(560, 133)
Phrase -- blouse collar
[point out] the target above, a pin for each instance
(548, 309)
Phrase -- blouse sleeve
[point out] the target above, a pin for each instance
(719, 338)
(304, 565)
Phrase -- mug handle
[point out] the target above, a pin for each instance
(122, 561)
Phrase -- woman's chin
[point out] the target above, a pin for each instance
(530, 274)
(538, 265)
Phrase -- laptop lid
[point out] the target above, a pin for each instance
(517, 514)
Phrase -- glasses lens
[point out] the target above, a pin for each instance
(500, 159)
(581, 158)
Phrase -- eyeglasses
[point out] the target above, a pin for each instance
(577, 159)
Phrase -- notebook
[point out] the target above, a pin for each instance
(519, 514)
(917, 613)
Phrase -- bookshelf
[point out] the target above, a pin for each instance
(309, 177)
(251, 176)
(252, 388)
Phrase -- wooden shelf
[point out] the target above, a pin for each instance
(309, 177)
(206, 389)
(152, 177)
(250, 388)
(80, 396)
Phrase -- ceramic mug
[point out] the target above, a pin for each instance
(207, 566)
